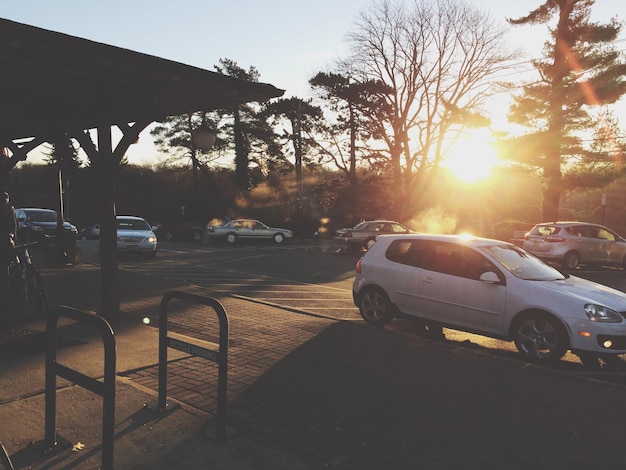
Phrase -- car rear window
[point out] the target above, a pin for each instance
(545, 230)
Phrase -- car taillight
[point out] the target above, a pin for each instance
(358, 265)
(553, 239)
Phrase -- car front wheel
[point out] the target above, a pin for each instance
(375, 307)
(279, 238)
(540, 338)
(231, 238)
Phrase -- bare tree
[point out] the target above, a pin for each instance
(436, 58)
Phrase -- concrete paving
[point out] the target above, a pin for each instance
(303, 393)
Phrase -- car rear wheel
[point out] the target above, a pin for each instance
(168, 235)
(571, 260)
(230, 238)
(540, 338)
(375, 307)
(369, 243)
(196, 235)
(279, 238)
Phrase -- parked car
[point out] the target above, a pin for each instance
(182, 231)
(247, 229)
(40, 225)
(575, 243)
(90, 233)
(135, 235)
(489, 287)
(363, 235)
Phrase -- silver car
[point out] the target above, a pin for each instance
(492, 288)
(574, 243)
(135, 235)
(247, 229)
(363, 235)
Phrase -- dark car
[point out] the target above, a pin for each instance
(181, 231)
(90, 233)
(40, 225)
(363, 235)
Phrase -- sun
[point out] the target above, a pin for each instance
(472, 157)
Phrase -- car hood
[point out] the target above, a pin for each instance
(52, 225)
(588, 292)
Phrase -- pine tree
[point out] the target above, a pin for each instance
(579, 69)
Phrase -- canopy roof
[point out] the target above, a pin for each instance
(51, 82)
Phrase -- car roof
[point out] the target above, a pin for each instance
(132, 217)
(563, 223)
(569, 224)
(33, 209)
(460, 239)
(381, 221)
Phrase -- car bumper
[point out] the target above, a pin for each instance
(599, 337)
(136, 247)
(347, 241)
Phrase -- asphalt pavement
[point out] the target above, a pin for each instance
(303, 392)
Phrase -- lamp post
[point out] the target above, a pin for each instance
(60, 229)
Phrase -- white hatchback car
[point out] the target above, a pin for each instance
(492, 288)
(135, 235)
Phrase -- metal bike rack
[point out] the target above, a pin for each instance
(207, 350)
(5, 459)
(104, 388)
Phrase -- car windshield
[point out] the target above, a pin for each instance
(132, 224)
(43, 216)
(522, 264)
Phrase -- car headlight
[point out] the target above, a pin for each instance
(152, 239)
(602, 314)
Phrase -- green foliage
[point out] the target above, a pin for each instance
(579, 69)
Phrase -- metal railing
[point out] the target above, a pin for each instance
(104, 388)
(213, 352)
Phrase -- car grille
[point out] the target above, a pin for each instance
(131, 239)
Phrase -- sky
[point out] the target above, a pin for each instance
(288, 42)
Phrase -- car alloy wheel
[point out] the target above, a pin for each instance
(375, 307)
(231, 238)
(279, 238)
(571, 260)
(540, 338)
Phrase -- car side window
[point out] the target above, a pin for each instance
(404, 252)
(456, 260)
(578, 231)
(605, 235)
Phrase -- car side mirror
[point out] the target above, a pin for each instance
(490, 277)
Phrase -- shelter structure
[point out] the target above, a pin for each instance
(53, 84)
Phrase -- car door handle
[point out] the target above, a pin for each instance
(427, 280)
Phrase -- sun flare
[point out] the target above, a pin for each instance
(473, 157)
